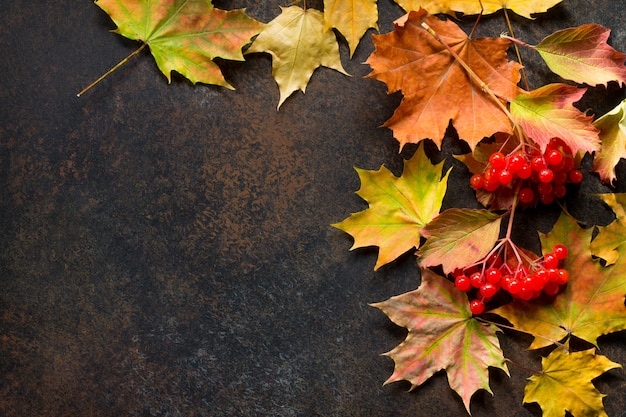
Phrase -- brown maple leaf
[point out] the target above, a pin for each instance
(436, 87)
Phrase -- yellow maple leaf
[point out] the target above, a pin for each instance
(565, 384)
(352, 18)
(299, 44)
(521, 7)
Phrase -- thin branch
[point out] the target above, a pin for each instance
(106, 74)
(519, 56)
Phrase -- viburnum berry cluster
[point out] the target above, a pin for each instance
(507, 269)
(536, 176)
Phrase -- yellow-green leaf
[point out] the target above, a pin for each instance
(442, 335)
(352, 18)
(184, 35)
(590, 306)
(398, 207)
(521, 7)
(612, 127)
(564, 385)
(459, 237)
(611, 239)
(299, 43)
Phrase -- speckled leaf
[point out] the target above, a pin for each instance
(184, 35)
(582, 55)
(611, 240)
(436, 88)
(459, 237)
(612, 127)
(398, 207)
(591, 305)
(299, 43)
(564, 385)
(442, 336)
(352, 18)
(548, 112)
(521, 7)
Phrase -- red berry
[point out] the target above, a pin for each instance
(505, 177)
(544, 188)
(537, 164)
(551, 288)
(525, 171)
(463, 283)
(497, 160)
(546, 199)
(526, 293)
(550, 260)
(488, 290)
(493, 275)
(526, 195)
(477, 307)
(554, 157)
(546, 175)
(560, 251)
(477, 181)
(477, 279)
(516, 162)
(562, 276)
(515, 286)
(559, 191)
(575, 176)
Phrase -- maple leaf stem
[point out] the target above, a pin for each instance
(517, 41)
(106, 74)
(519, 56)
(504, 326)
(484, 87)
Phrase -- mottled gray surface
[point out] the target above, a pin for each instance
(166, 249)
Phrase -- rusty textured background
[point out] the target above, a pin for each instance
(166, 249)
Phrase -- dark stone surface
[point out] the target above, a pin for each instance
(166, 249)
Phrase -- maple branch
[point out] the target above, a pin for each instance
(470, 72)
(106, 74)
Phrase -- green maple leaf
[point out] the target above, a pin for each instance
(299, 43)
(442, 335)
(591, 305)
(184, 35)
(611, 239)
(581, 54)
(459, 237)
(548, 112)
(612, 127)
(564, 385)
(398, 207)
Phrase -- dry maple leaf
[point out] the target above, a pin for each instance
(352, 18)
(521, 7)
(591, 305)
(548, 112)
(442, 335)
(459, 237)
(564, 385)
(611, 240)
(612, 127)
(582, 55)
(398, 207)
(299, 44)
(184, 35)
(436, 88)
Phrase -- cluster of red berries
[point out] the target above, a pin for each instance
(521, 282)
(544, 175)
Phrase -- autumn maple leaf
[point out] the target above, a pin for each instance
(459, 237)
(436, 87)
(299, 43)
(352, 18)
(591, 305)
(398, 207)
(611, 239)
(564, 384)
(184, 35)
(548, 112)
(521, 7)
(581, 54)
(442, 335)
(612, 127)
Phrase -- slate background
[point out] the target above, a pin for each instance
(166, 249)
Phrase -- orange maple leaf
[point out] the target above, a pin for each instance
(436, 87)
